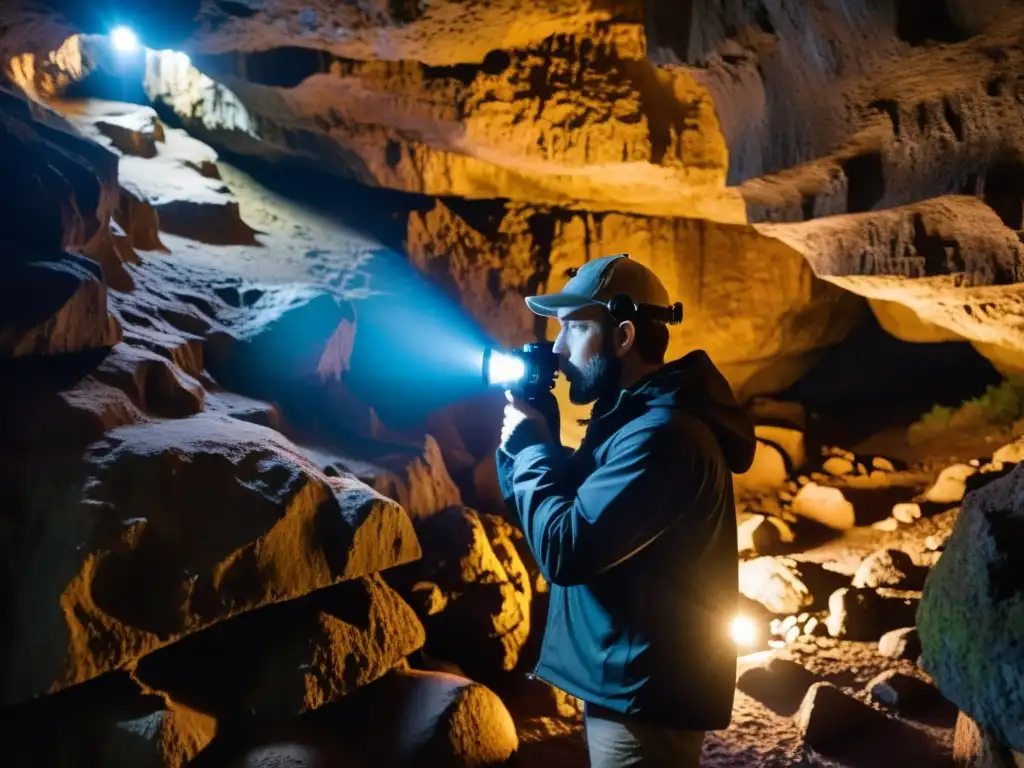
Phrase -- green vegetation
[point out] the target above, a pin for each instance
(1000, 405)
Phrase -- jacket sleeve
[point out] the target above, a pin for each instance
(579, 531)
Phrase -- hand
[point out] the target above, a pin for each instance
(517, 412)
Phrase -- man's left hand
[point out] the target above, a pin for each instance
(517, 412)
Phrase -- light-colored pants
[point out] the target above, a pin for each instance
(615, 741)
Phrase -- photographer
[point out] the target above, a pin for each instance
(636, 529)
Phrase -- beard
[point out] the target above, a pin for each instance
(599, 377)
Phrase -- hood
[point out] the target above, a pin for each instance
(693, 384)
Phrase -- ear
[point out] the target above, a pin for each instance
(625, 336)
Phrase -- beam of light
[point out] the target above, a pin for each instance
(504, 369)
(416, 349)
(124, 40)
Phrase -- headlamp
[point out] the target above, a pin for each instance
(527, 371)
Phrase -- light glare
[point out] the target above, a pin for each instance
(743, 631)
(505, 369)
(124, 40)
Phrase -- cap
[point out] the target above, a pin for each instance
(597, 282)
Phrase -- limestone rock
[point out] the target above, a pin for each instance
(900, 691)
(787, 439)
(950, 485)
(969, 617)
(827, 715)
(763, 534)
(900, 644)
(413, 475)
(780, 684)
(768, 472)
(424, 718)
(864, 614)
(283, 660)
(59, 189)
(130, 128)
(54, 306)
(485, 601)
(898, 258)
(216, 516)
(824, 505)
(110, 721)
(587, 139)
(774, 583)
(974, 747)
(889, 568)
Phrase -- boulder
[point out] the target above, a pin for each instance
(828, 715)
(864, 614)
(974, 747)
(485, 600)
(763, 534)
(901, 643)
(767, 473)
(970, 615)
(54, 305)
(59, 187)
(414, 475)
(214, 515)
(779, 684)
(427, 718)
(889, 568)
(111, 721)
(283, 660)
(774, 582)
(825, 505)
(901, 691)
(951, 485)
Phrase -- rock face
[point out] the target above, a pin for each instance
(217, 516)
(970, 614)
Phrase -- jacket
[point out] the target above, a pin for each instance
(635, 531)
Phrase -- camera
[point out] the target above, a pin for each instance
(527, 372)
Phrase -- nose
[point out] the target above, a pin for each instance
(560, 347)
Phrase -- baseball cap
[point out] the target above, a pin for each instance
(600, 280)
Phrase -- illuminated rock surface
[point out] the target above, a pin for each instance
(210, 411)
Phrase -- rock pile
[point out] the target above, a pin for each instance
(185, 579)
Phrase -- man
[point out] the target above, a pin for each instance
(636, 529)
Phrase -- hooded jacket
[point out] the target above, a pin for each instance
(636, 533)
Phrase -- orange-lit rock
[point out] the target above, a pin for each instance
(949, 266)
(283, 660)
(112, 721)
(582, 121)
(216, 516)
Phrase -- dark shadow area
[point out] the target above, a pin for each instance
(277, 67)
(922, 21)
(1004, 192)
(865, 182)
(887, 744)
(903, 380)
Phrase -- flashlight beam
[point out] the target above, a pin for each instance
(124, 40)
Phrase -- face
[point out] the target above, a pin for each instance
(586, 350)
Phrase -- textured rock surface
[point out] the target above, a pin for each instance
(477, 568)
(215, 515)
(54, 306)
(970, 616)
(282, 661)
(111, 721)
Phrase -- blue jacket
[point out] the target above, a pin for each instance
(636, 533)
